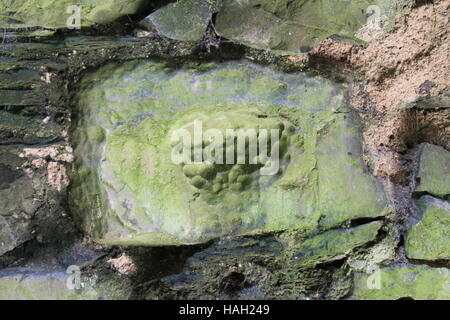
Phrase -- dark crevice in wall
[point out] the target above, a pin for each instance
(361, 221)
(338, 263)
(419, 3)
(147, 8)
(431, 263)
(418, 194)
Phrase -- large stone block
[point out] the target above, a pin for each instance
(58, 14)
(127, 189)
(335, 244)
(184, 20)
(429, 239)
(434, 171)
(70, 284)
(301, 24)
(408, 281)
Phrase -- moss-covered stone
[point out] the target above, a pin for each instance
(429, 239)
(434, 171)
(335, 244)
(54, 14)
(184, 20)
(346, 188)
(383, 252)
(52, 286)
(24, 284)
(296, 25)
(417, 282)
(252, 267)
(128, 190)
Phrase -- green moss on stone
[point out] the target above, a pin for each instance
(54, 14)
(346, 189)
(184, 20)
(417, 282)
(429, 239)
(50, 286)
(126, 184)
(434, 171)
(22, 284)
(297, 25)
(335, 244)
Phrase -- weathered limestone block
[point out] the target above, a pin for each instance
(417, 282)
(335, 244)
(184, 20)
(429, 239)
(24, 284)
(343, 177)
(57, 14)
(127, 189)
(301, 24)
(434, 171)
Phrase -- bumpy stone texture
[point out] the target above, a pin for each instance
(54, 14)
(184, 20)
(127, 190)
(417, 282)
(300, 24)
(434, 171)
(429, 239)
(217, 177)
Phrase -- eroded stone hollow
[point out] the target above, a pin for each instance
(128, 189)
